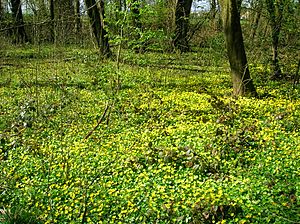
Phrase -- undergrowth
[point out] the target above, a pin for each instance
(159, 140)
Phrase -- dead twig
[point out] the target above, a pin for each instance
(99, 122)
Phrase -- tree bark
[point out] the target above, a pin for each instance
(213, 9)
(52, 21)
(20, 35)
(242, 82)
(275, 13)
(123, 5)
(97, 26)
(104, 35)
(1, 10)
(62, 16)
(256, 22)
(214, 13)
(135, 9)
(239, 5)
(77, 17)
(136, 23)
(170, 19)
(182, 13)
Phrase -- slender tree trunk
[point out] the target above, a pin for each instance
(124, 4)
(118, 9)
(104, 35)
(296, 75)
(242, 82)
(136, 23)
(215, 15)
(239, 5)
(276, 14)
(118, 17)
(256, 8)
(213, 9)
(182, 13)
(77, 17)
(119, 5)
(52, 21)
(97, 26)
(64, 20)
(219, 23)
(1, 10)
(20, 35)
(275, 62)
(170, 19)
(135, 9)
(256, 22)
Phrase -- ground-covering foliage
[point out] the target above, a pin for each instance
(173, 145)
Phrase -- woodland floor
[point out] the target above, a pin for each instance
(155, 139)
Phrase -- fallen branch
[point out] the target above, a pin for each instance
(99, 122)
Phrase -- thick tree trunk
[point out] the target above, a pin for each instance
(242, 82)
(97, 26)
(182, 13)
(20, 35)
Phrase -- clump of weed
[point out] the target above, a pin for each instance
(17, 215)
(178, 157)
(209, 213)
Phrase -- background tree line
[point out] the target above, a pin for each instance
(268, 28)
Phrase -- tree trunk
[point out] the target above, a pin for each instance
(213, 9)
(104, 35)
(64, 16)
(275, 14)
(182, 13)
(256, 22)
(242, 82)
(1, 10)
(215, 15)
(275, 62)
(20, 35)
(118, 9)
(136, 23)
(97, 26)
(135, 9)
(239, 5)
(124, 5)
(170, 19)
(218, 21)
(77, 17)
(52, 21)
